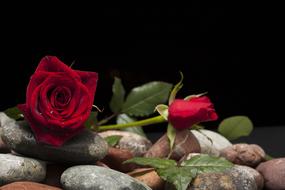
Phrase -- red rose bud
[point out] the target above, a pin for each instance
(185, 113)
(58, 101)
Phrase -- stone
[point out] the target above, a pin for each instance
(244, 154)
(149, 177)
(213, 181)
(116, 157)
(87, 177)
(236, 178)
(85, 148)
(211, 142)
(245, 177)
(136, 144)
(14, 168)
(25, 185)
(273, 172)
(185, 143)
(3, 146)
(4, 119)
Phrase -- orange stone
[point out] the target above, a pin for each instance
(25, 185)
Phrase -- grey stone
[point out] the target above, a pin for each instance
(273, 172)
(3, 146)
(211, 142)
(212, 181)
(136, 144)
(89, 177)
(236, 178)
(246, 178)
(14, 168)
(4, 119)
(85, 148)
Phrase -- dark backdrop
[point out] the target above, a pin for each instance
(228, 52)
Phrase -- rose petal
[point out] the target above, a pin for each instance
(54, 65)
(35, 80)
(89, 79)
(185, 113)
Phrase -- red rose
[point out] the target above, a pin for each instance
(185, 113)
(58, 101)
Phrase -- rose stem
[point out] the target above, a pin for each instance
(149, 121)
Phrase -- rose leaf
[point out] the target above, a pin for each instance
(234, 127)
(118, 97)
(142, 100)
(124, 118)
(14, 113)
(113, 140)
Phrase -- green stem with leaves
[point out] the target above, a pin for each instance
(149, 121)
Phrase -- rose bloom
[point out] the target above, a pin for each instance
(58, 101)
(184, 114)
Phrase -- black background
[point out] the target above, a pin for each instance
(231, 51)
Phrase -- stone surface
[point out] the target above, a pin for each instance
(273, 172)
(4, 119)
(3, 146)
(136, 144)
(246, 178)
(14, 168)
(90, 177)
(116, 157)
(211, 142)
(85, 148)
(185, 143)
(236, 178)
(213, 181)
(149, 177)
(27, 186)
(244, 154)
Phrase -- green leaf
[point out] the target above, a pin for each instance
(124, 118)
(268, 157)
(162, 110)
(157, 163)
(195, 96)
(205, 163)
(92, 120)
(142, 100)
(197, 127)
(180, 177)
(234, 127)
(176, 88)
(14, 113)
(171, 134)
(113, 140)
(118, 97)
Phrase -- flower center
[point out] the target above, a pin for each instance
(60, 97)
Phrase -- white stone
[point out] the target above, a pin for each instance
(211, 142)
